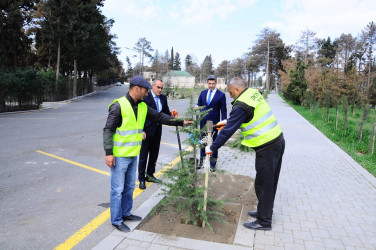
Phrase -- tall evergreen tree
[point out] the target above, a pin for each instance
(207, 66)
(177, 63)
(171, 60)
(326, 52)
(298, 83)
(15, 45)
(188, 61)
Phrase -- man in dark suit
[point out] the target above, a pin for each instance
(152, 135)
(214, 99)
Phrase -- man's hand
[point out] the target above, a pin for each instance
(186, 122)
(110, 161)
(208, 151)
(221, 124)
(143, 136)
(196, 107)
(174, 113)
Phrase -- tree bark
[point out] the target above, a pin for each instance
(74, 70)
(363, 121)
(373, 138)
(57, 65)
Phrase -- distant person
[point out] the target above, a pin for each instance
(252, 114)
(122, 138)
(212, 98)
(152, 134)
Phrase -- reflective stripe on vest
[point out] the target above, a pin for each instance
(263, 127)
(129, 132)
(127, 139)
(258, 122)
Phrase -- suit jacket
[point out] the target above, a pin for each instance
(150, 127)
(217, 104)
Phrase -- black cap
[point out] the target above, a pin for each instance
(211, 77)
(140, 81)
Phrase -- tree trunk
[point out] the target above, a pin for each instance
(372, 149)
(57, 65)
(363, 121)
(74, 92)
(336, 116)
(74, 70)
(267, 87)
(69, 85)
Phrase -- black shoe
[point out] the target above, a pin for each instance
(153, 179)
(132, 218)
(256, 226)
(199, 166)
(213, 168)
(253, 214)
(142, 185)
(122, 227)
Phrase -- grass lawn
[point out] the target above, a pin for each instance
(346, 139)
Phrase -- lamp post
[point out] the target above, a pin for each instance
(140, 57)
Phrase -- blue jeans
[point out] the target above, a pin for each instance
(123, 177)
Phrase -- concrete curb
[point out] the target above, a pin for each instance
(244, 238)
(52, 105)
(116, 237)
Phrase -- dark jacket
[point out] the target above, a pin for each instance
(217, 104)
(151, 126)
(115, 119)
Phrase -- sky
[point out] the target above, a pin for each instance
(226, 29)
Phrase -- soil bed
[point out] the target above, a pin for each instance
(238, 188)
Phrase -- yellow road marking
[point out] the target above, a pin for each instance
(170, 144)
(104, 216)
(75, 163)
(85, 231)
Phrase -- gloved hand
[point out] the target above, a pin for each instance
(174, 113)
(221, 124)
(208, 151)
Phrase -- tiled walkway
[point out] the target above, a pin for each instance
(325, 200)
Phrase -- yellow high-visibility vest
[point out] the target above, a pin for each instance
(128, 137)
(263, 127)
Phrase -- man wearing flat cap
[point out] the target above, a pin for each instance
(122, 138)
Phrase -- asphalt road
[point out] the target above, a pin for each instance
(46, 200)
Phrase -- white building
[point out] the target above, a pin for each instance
(179, 78)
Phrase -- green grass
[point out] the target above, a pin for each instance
(345, 139)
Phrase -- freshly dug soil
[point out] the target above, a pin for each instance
(238, 188)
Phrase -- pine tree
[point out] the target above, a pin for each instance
(182, 191)
(177, 62)
(171, 60)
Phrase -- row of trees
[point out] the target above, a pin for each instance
(70, 37)
(334, 74)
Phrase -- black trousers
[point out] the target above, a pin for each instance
(213, 158)
(149, 149)
(268, 167)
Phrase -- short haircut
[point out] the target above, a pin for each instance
(157, 79)
(237, 82)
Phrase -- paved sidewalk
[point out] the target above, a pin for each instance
(325, 200)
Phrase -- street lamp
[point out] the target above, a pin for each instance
(140, 57)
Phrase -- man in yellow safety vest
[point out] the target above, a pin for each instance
(122, 138)
(252, 114)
